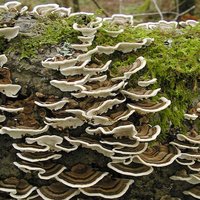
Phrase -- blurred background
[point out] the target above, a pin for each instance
(145, 9)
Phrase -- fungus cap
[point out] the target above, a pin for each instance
(149, 107)
(81, 176)
(9, 185)
(190, 116)
(146, 133)
(20, 132)
(118, 129)
(100, 92)
(57, 191)
(114, 33)
(91, 143)
(108, 188)
(38, 156)
(139, 94)
(23, 147)
(147, 82)
(42, 10)
(159, 156)
(53, 106)
(132, 169)
(23, 190)
(140, 148)
(62, 123)
(46, 170)
(138, 65)
(10, 32)
(3, 60)
(10, 90)
(51, 63)
(194, 192)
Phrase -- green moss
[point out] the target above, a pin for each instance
(48, 32)
(176, 67)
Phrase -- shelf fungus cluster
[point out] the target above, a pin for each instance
(189, 145)
(96, 112)
(7, 89)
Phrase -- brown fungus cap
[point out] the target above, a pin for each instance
(159, 156)
(132, 169)
(147, 133)
(191, 154)
(185, 144)
(57, 191)
(108, 188)
(104, 90)
(150, 107)
(91, 143)
(9, 185)
(195, 166)
(38, 156)
(192, 137)
(136, 94)
(118, 129)
(24, 189)
(109, 119)
(140, 148)
(46, 170)
(185, 161)
(194, 192)
(30, 147)
(124, 142)
(131, 69)
(81, 176)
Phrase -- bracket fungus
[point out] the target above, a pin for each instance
(159, 156)
(194, 192)
(124, 47)
(86, 31)
(52, 142)
(18, 189)
(80, 176)
(146, 83)
(118, 129)
(10, 32)
(6, 86)
(132, 169)
(42, 10)
(119, 19)
(53, 105)
(46, 170)
(108, 188)
(19, 132)
(38, 156)
(90, 143)
(57, 191)
(149, 107)
(3, 60)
